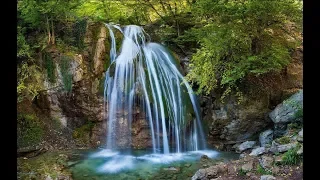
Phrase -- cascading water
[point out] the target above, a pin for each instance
(145, 74)
(147, 71)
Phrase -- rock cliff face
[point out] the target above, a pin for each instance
(81, 109)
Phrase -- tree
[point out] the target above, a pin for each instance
(238, 38)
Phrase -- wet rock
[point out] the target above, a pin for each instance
(258, 151)
(245, 145)
(266, 137)
(267, 177)
(204, 157)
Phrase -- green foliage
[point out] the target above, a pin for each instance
(29, 130)
(242, 172)
(239, 38)
(291, 157)
(50, 67)
(23, 48)
(79, 31)
(65, 72)
(29, 79)
(283, 140)
(262, 171)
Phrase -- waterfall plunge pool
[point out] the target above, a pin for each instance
(142, 164)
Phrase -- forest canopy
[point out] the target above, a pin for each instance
(226, 39)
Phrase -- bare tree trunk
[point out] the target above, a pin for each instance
(53, 39)
(48, 30)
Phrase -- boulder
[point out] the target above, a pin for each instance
(245, 145)
(258, 151)
(200, 175)
(266, 137)
(287, 111)
(282, 148)
(210, 172)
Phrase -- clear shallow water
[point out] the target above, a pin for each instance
(142, 164)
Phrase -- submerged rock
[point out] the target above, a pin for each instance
(171, 169)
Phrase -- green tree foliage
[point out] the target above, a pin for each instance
(229, 39)
(238, 38)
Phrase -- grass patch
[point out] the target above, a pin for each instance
(291, 157)
(263, 171)
(29, 130)
(242, 172)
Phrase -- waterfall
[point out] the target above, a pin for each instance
(144, 73)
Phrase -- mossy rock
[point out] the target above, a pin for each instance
(82, 134)
(283, 140)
